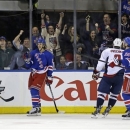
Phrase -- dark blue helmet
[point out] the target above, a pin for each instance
(41, 40)
(127, 41)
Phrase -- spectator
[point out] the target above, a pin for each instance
(107, 30)
(35, 36)
(80, 65)
(17, 60)
(125, 26)
(9, 45)
(68, 42)
(51, 35)
(47, 21)
(5, 53)
(92, 43)
(62, 65)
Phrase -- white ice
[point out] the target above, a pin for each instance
(63, 122)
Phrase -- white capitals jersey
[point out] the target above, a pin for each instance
(108, 55)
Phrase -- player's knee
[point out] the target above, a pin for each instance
(102, 95)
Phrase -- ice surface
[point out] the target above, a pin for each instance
(63, 122)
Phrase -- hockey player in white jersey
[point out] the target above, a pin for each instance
(112, 80)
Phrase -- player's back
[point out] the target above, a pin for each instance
(113, 53)
(108, 55)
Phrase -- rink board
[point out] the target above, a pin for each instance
(74, 92)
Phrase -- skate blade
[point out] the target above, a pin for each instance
(126, 118)
(94, 117)
(36, 114)
(104, 116)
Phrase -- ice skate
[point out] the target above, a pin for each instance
(106, 112)
(34, 112)
(126, 116)
(96, 113)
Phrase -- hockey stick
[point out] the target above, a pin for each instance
(99, 60)
(7, 100)
(58, 111)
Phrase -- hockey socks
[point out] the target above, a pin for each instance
(35, 97)
(112, 99)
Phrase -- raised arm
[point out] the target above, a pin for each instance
(64, 29)
(43, 26)
(87, 23)
(60, 20)
(16, 41)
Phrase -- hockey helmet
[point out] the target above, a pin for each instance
(117, 42)
(41, 40)
(127, 41)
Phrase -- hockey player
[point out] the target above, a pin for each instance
(112, 80)
(40, 63)
(126, 86)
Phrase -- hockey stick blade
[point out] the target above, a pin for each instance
(7, 100)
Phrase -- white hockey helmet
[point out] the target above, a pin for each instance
(117, 42)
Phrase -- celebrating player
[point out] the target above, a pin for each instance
(40, 61)
(112, 80)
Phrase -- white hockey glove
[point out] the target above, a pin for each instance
(49, 80)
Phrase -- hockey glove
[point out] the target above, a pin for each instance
(26, 57)
(95, 75)
(114, 62)
(49, 80)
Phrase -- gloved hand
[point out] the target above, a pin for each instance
(114, 62)
(49, 80)
(26, 57)
(95, 75)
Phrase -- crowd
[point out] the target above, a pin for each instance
(92, 37)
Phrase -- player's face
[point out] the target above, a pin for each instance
(51, 30)
(40, 45)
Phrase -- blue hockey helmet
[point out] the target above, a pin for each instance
(127, 41)
(41, 40)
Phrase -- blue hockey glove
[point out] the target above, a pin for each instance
(26, 57)
(95, 75)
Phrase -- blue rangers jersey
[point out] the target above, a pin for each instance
(126, 60)
(41, 62)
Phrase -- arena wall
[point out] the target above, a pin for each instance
(74, 92)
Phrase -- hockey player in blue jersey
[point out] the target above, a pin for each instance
(40, 62)
(126, 86)
(112, 80)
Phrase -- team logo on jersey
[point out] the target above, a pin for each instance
(127, 54)
(128, 59)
